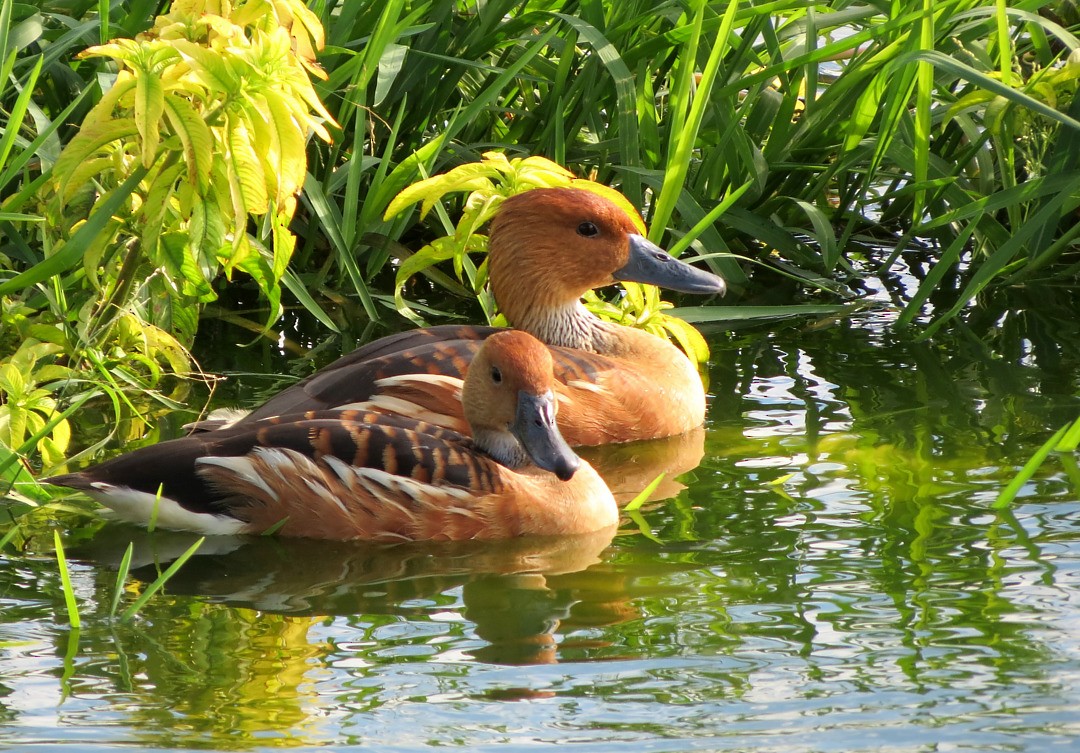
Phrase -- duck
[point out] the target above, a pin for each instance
(367, 475)
(547, 248)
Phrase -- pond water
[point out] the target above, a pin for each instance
(827, 574)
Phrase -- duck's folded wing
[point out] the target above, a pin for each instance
(283, 469)
(445, 350)
(601, 401)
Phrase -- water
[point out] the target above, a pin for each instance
(828, 576)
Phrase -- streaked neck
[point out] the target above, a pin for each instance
(568, 326)
(502, 446)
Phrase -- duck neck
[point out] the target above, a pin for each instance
(569, 325)
(501, 446)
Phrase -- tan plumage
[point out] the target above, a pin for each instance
(363, 474)
(547, 248)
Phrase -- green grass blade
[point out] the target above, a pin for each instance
(121, 579)
(941, 61)
(709, 219)
(924, 93)
(294, 285)
(65, 580)
(1071, 440)
(103, 17)
(685, 138)
(625, 95)
(643, 496)
(18, 112)
(1003, 255)
(11, 534)
(331, 224)
(160, 581)
(721, 314)
(1008, 494)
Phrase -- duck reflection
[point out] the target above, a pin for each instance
(630, 467)
(518, 593)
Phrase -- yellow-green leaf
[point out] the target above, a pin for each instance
(85, 145)
(689, 339)
(209, 67)
(195, 136)
(472, 177)
(149, 106)
(540, 172)
(102, 112)
(12, 381)
(246, 178)
(288, 147)
(16, 425)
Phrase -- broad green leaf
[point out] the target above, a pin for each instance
(158, 205)
(206, 235)
(183, 270)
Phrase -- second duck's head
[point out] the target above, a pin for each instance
(509, 401)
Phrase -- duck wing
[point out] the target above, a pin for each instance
(337, 474)
(444, 350)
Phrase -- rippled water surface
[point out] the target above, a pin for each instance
(826, 574)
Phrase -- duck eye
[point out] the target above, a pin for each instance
(496, 375)
(588, 229)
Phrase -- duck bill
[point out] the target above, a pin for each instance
(653, 265)
(534, 426)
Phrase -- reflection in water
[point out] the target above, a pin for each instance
(516, 592)
(629, 468)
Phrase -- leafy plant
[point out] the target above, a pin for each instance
(828, 143)
(186, 168)
(210, 109)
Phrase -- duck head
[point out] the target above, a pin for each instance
(549, 246)
(510, 403)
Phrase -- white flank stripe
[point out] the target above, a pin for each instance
(138, 507)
